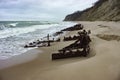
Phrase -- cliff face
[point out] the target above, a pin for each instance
(108, 10)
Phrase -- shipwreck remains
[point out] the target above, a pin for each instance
(78, 48)
(73, 28)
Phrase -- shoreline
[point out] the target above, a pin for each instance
(25, 57)
(102, 64)
(19, 59)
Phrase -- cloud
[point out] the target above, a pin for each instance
(41, 9)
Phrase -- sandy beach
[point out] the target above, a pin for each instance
(101, 64)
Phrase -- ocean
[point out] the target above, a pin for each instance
(15, 34)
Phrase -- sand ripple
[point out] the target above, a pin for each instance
(108, 37)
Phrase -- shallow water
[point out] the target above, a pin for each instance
(15, 34)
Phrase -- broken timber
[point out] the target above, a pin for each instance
(77, 49)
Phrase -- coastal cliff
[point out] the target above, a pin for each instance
(103, 10)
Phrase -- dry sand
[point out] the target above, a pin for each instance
(102, 63)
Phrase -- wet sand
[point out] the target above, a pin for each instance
(101, 64)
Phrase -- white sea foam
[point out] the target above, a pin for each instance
(2, 27)
(12, 40)
(17, 31)
(13, 24)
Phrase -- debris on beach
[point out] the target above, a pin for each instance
(78, 48)
(73, 28)
(41, 43)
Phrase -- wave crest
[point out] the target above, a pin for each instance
(2, 27)
(12, 24)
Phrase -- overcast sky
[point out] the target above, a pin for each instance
(41, 9)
